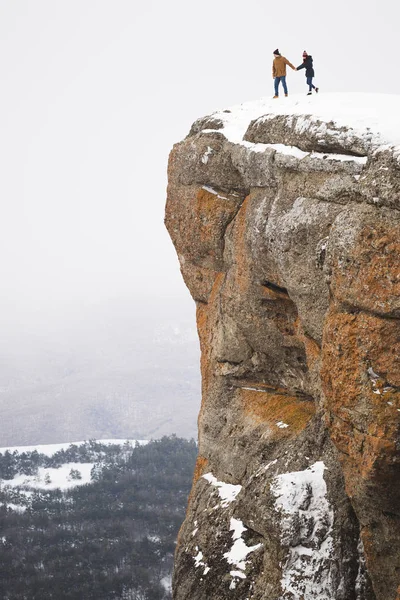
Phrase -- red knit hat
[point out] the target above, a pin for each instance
(305, 54)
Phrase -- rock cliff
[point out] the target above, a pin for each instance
(286, 220)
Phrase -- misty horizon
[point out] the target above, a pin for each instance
(94, 95)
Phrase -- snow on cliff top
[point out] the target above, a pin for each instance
(366, 114)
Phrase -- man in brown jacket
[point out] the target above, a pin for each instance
(279, 72)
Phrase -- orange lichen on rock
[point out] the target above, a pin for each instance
(199, 469)
(272, 294)
(375, 555)
(206, 316)
(285, 415)
(313, 351)
(206, 319)
(212, 213)
(241, 270)
(360, 368)
(369, 275)
(197, 218)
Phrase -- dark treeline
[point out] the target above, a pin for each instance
(112, 539)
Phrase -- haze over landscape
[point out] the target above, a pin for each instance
(97, 329)
(285, 215)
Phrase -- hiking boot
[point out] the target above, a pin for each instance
(286, 95)
(275, 96)
(317, 90)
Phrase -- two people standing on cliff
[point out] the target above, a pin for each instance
(279, 72)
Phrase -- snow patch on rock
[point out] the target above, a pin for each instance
(199, 562)
(211, 190)
(227, 492)
(306, 521)
(206, 155)
(361, 580)
(300, 154)
(238, 553)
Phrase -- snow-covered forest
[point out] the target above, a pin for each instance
(109, 535)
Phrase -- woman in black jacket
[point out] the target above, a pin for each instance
(308, 66)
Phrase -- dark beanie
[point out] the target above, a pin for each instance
(277, 52)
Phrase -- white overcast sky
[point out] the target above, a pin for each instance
(93, 93)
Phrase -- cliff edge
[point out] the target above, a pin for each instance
(285, 216)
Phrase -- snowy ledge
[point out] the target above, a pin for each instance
(373, 118)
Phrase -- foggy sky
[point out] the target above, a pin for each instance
(93, 95)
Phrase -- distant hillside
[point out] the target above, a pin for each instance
(95, 521)
(116, 375)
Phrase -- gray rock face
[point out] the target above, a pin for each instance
(287, 236)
